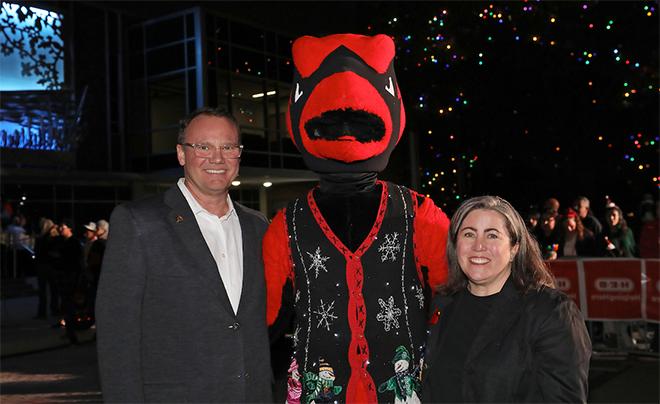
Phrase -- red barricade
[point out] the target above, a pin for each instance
(566, 275)
(652, 312)
(611, 289)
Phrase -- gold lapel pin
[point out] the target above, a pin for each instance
(179, 218)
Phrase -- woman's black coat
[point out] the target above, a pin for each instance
(532, 347)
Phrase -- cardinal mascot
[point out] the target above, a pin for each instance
(362, 255)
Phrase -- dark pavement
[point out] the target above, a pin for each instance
(51, 370)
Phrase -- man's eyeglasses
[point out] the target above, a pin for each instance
(202, 150)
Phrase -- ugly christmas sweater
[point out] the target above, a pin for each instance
(360, 315)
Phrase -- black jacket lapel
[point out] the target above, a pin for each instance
(185, 226)
(442, 310)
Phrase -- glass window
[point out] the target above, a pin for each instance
(271, 67)
(164, 141)
(192, 91)
(283, 100)
(63, 192)
(272, 110)
(167, 103)
(211, 59)
(163, 32)
(211, 88)
(248, 36)
(247, 62)
(191, 54)
(222, 89)
(248, 102)
(253, 140)
(284, 45)
(286, 69)
(63, 210)
(165, 59)
(209, 20)
(271, 43)
(135, 39)
(94, 193)
(190, 26)
(221, 31)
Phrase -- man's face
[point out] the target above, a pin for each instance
(65, 231)
(212, 176)
(583, 209)
(90, 235)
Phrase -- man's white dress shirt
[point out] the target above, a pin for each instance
(224, 239)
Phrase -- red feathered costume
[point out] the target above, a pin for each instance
(363, 255)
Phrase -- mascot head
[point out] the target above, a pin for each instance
(345, 112)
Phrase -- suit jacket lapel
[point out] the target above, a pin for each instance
(250, 264)
(500, 319)
(185, 226)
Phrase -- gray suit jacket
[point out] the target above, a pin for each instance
(166, 329)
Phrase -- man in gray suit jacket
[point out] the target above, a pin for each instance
(181, 312)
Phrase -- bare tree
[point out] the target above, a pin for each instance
(24, 31)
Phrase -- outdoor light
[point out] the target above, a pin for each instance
(267, 184)
(235, 183)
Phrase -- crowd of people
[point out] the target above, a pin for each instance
(67, 267)
(577, 232)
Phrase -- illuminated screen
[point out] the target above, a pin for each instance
(32, 51)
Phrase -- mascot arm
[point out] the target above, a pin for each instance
(431, 226)
(277, 264)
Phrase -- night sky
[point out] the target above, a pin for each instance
(529, 100)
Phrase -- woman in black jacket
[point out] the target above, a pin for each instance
(501, 332)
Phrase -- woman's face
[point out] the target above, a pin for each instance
(571, 224)
(484, 251)
(613, 217)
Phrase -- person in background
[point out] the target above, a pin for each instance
(619, 239)
(583, 207)
(501, 331)
(649, 236)
(16, 232)
(95, 259)
(551, 205)
(532, 219)
(102, 229)
(547, 234)
(69, 270)
(575, 240)
(47, 281)
(89, 238)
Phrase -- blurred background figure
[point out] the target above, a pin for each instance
(89, 238)
(649, 235)
(95, 259)
(69, 270)
(547, 234)
(46, 278)
(583, 207)
(619, 239)
(532, 219)
(16, 232)
(551, 205)
(575, 240)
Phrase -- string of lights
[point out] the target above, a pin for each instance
(502, 91)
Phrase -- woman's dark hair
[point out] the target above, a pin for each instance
(622, 225)
(528, 269)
